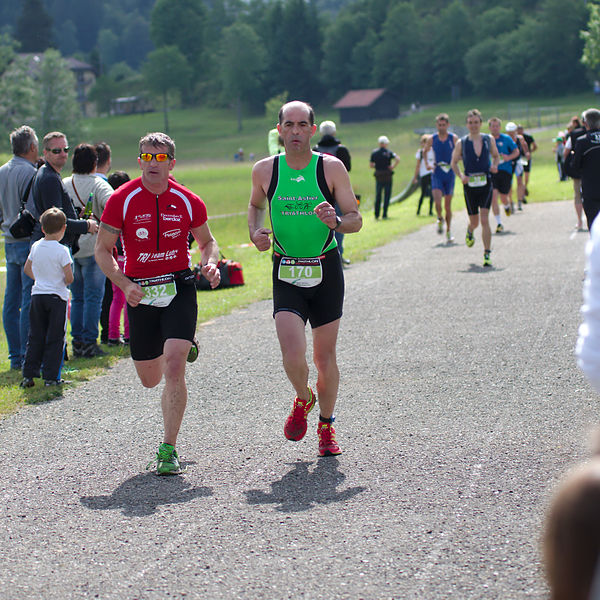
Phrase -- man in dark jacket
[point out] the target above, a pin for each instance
(48, 191)
(587, 162)
(329, 144)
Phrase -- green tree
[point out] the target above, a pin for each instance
(108, 45)
(242, 63)
(58, 108)
(19, 94)
(396, 64)
(182, 27)
(552, 48)
(362, 58)
(33, 29)
(341, 38)
(166, 71)
(7, 51)
(591, 40)
(451, 39)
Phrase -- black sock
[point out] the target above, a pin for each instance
(324, 420)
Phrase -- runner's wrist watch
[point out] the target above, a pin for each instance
(338, 222)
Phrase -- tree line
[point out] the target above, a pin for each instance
(241, 53)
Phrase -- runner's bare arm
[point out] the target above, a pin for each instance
(257, 208)
(339, 184)
(105, 242)
(456, 158)
(495, 155)
(210, 254)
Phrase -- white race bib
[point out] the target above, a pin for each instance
(444, 167)
(477, 180)
(158, 291)
(301, 272)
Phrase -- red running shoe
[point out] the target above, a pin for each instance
(328, 445)
(295, 425)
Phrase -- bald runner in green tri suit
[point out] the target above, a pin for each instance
(302, 189)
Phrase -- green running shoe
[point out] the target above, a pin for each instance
(470, 238)
(166, 461)
(193, 353)
(487, 261)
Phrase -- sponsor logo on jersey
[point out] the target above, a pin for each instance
(297, 179)
(141, 233)
(142, 218)
(149, 257)
(176, 218)
(172, 233)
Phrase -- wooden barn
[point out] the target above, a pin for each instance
(367, 105)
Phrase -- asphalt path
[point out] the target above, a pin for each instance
(460, 408)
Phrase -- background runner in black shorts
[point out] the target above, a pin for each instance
(502, 181)
(477, 198)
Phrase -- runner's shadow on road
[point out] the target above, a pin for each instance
(473, 268)
(141, 495)
(301, 489)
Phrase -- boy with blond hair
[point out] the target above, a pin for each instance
(49, 265)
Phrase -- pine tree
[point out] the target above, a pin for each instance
(34, 27)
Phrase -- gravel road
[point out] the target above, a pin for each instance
(460, 408)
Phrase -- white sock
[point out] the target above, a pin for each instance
(498, 219)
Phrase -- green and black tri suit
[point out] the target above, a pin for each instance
(293, 195)
(298, 233)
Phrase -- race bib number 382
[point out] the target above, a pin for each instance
(301, 272)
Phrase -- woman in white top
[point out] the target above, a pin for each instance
(423, 170)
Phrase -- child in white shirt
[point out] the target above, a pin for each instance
(49, 265)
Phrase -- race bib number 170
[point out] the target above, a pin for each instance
(301, 272)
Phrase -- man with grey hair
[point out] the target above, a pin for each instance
(329, 144)
(587, 161)
(16, 177)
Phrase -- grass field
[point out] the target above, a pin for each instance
(206, 141)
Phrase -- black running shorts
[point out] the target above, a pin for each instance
(502, 181)
(477, 198)
(321, 304)
(150, 326)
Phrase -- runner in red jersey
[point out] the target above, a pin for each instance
(154, 215)
(155, 226)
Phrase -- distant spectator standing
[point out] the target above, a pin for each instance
(383, 161)
(104, 160)
(559, 153)
(575, 130)
(423, 170)
(532, 148)
(89, 194)
(102, 169)
(586, 161)
(16, 177)
(329, 144)
(49, 264)
(118, 306)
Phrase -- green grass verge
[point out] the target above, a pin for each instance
(206, 141)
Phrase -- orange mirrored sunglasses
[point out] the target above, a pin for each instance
(161, 157)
